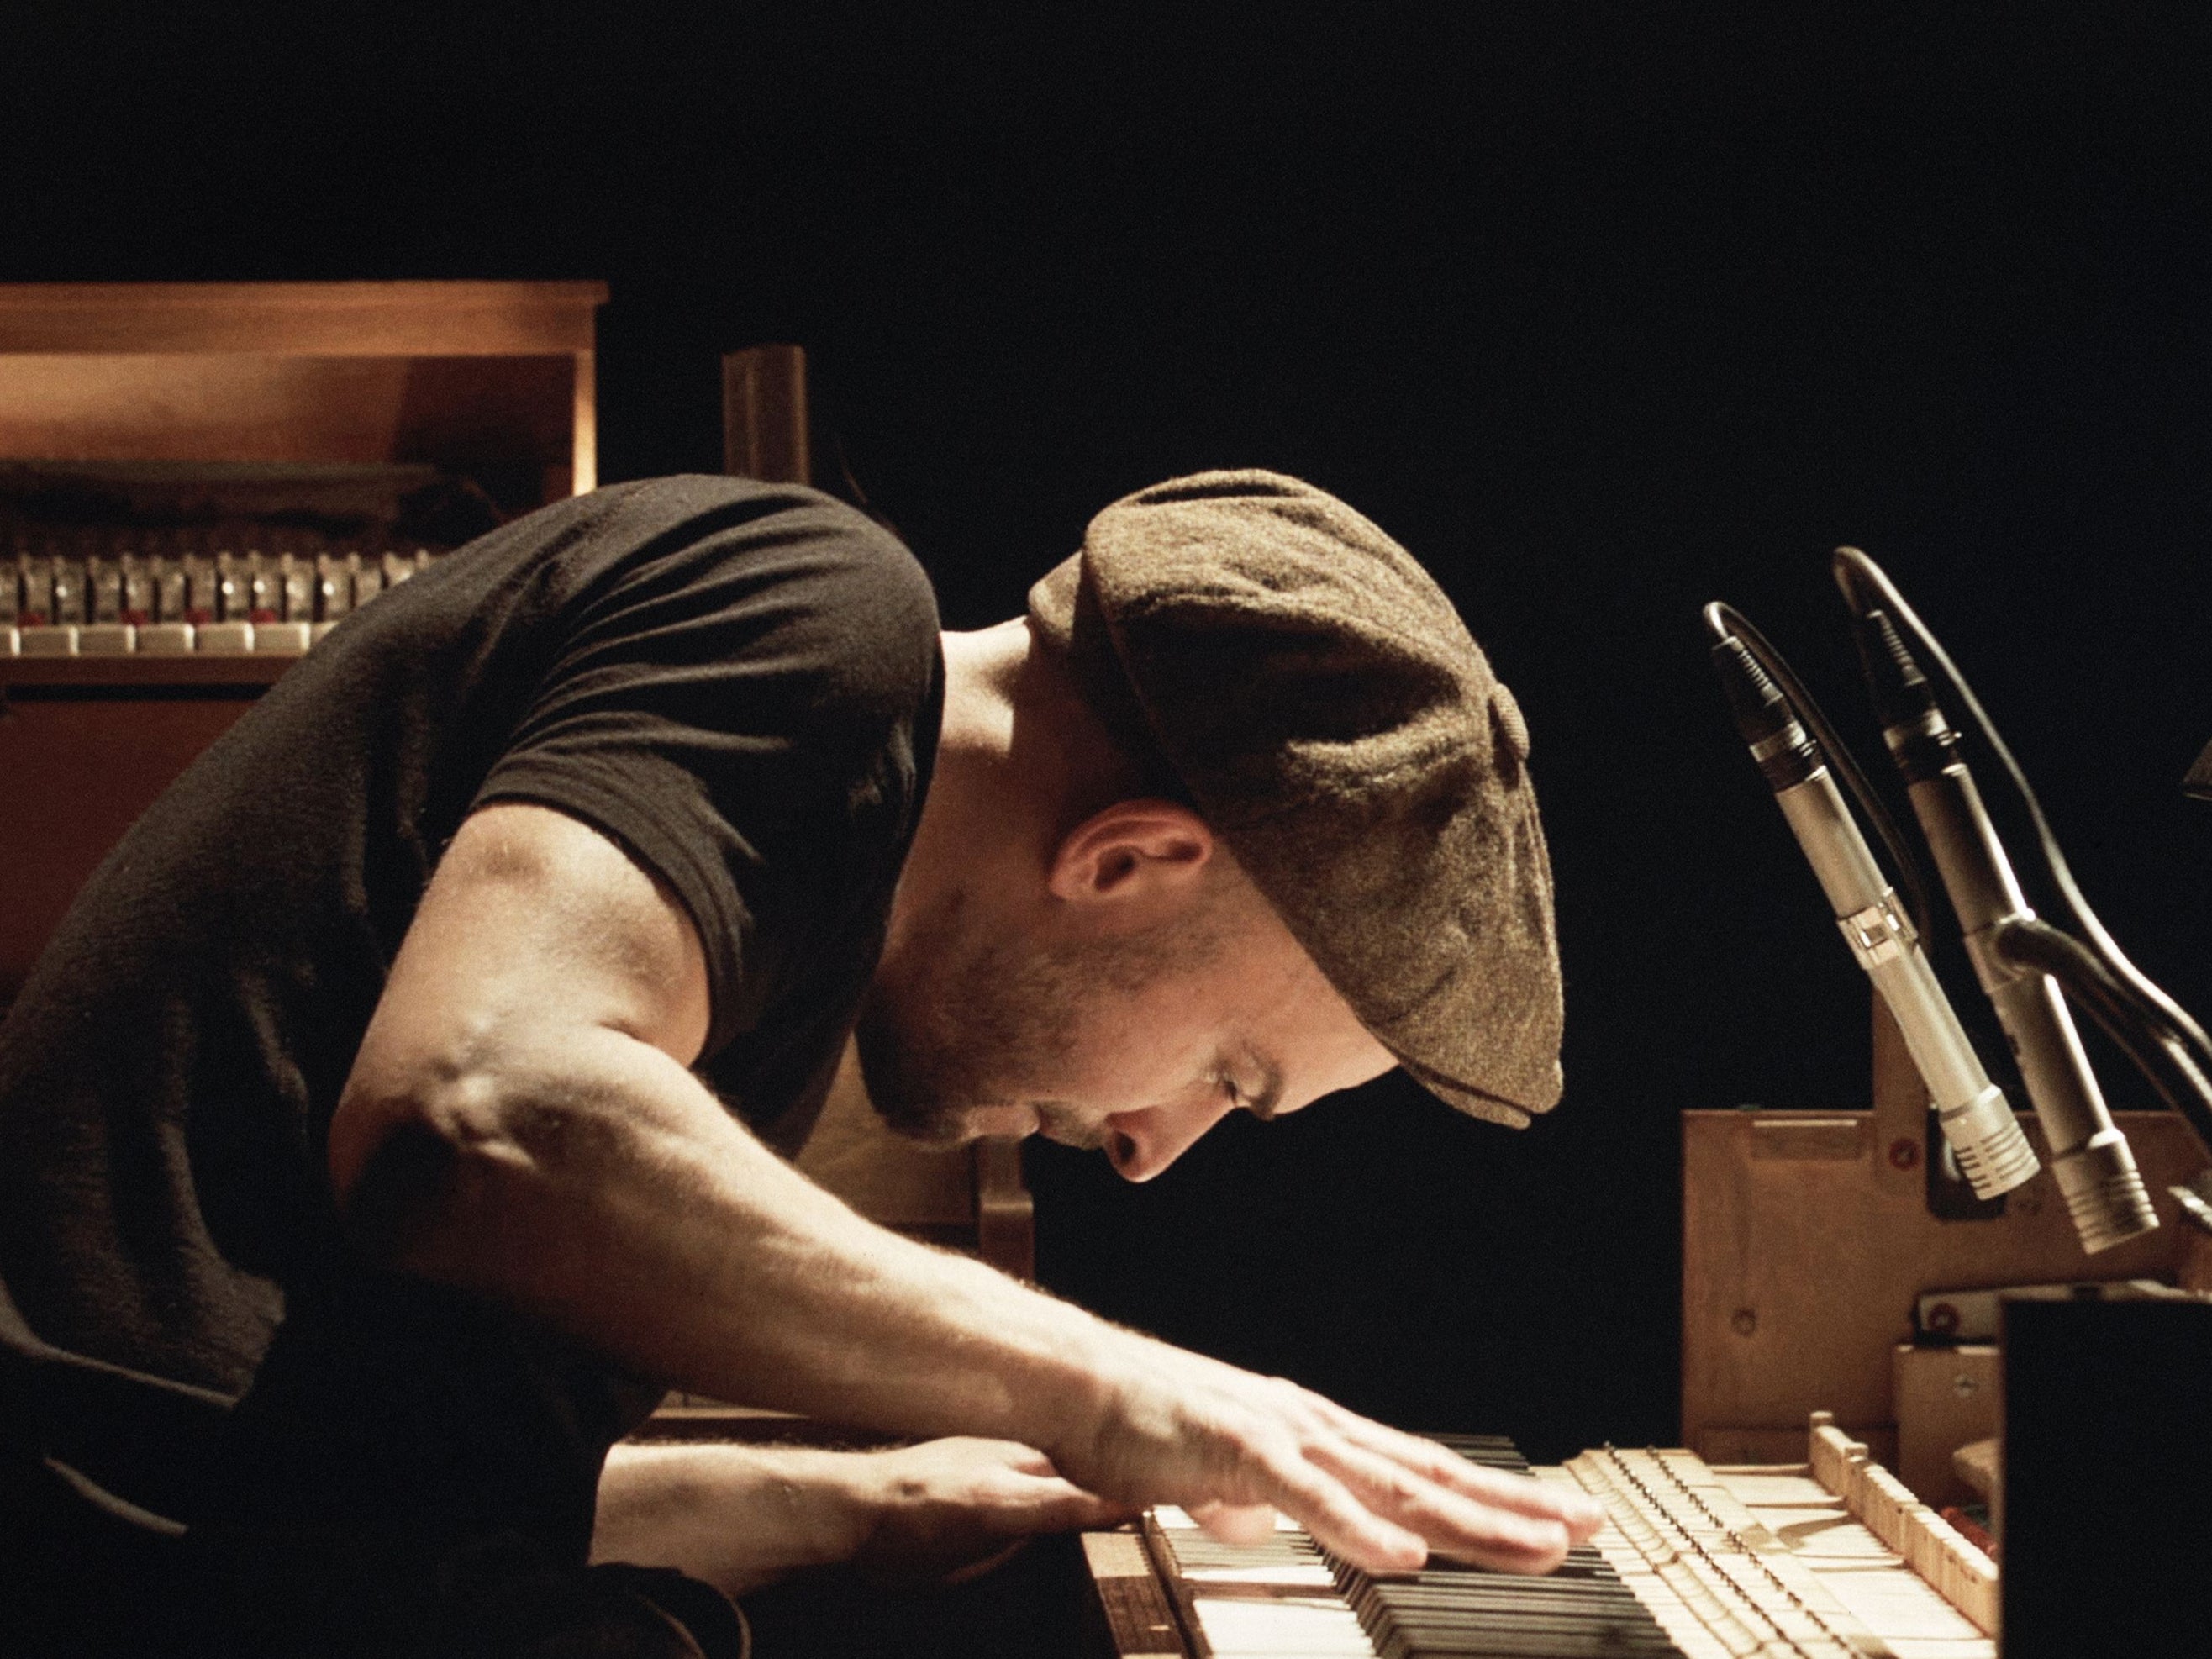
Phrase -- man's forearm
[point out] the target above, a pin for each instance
(736, 1516)
(603, 1187)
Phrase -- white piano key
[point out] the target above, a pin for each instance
(1241, 1628)
(280, 638)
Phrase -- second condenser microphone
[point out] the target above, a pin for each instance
(1984, 1135)
(2090, 1157)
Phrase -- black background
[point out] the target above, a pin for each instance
(1604, 311)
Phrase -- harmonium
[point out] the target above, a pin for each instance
(199, 480)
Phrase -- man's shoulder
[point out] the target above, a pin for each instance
(715, 501)
(852, 561)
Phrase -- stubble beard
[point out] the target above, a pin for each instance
(961, 1035)
(970, 1024)
(967, 1024)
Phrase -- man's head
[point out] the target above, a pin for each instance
(1124, 993)
(1235, 816)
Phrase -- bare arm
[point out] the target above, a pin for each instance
(521, 1121)
(740, 1516)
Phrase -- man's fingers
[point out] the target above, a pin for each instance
(1580, 1515)
(1317, 1501)
(1236, 1523)
(1057, 1506)
(1453, 1522)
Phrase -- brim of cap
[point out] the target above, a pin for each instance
(1462, 1097)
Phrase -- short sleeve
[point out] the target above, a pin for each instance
(747, 703)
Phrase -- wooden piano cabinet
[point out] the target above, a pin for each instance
(492, 381)
(86, 745)
(1806, 1238)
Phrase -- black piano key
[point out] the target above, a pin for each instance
(1494, 1451)
(1468, 1612)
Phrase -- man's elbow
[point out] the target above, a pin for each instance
(417, 1167)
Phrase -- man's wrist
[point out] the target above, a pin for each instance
(736, 1516)
(1071, 1387)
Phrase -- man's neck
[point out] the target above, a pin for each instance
(983, 672)
(1020, 760)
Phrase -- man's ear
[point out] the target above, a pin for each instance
(1132, 848)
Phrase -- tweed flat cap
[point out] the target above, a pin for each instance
(1318, 696)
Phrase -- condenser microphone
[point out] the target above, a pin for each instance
(1983, 1135)
(2094, 1166)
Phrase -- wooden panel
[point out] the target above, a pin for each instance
(1945, 1398)
(764, 422)
(262, 407)
(971, 1197)
(75, 776)
(896, 1182)
(1005, 1213)
(381, 320)
(48, 676)
(1133, 1605)
(584, 428)
(1799, 1277)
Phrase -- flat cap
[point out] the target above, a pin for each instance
(1328, 711)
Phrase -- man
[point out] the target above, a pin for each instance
(418, 1068)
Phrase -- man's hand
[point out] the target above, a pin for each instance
(740, 1516)
(949, 1511)
(1230, 1446)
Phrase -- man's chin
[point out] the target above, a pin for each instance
(899, 1089)
(925, 1126)
(956, 1126)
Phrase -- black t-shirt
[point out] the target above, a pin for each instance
(738, 683)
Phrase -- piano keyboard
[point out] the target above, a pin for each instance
(1709, 1564)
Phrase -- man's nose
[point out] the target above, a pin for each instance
(1140, 1145)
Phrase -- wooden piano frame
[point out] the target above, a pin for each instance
(1807, 1238)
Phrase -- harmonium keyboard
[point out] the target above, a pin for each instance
(1832, 1559)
